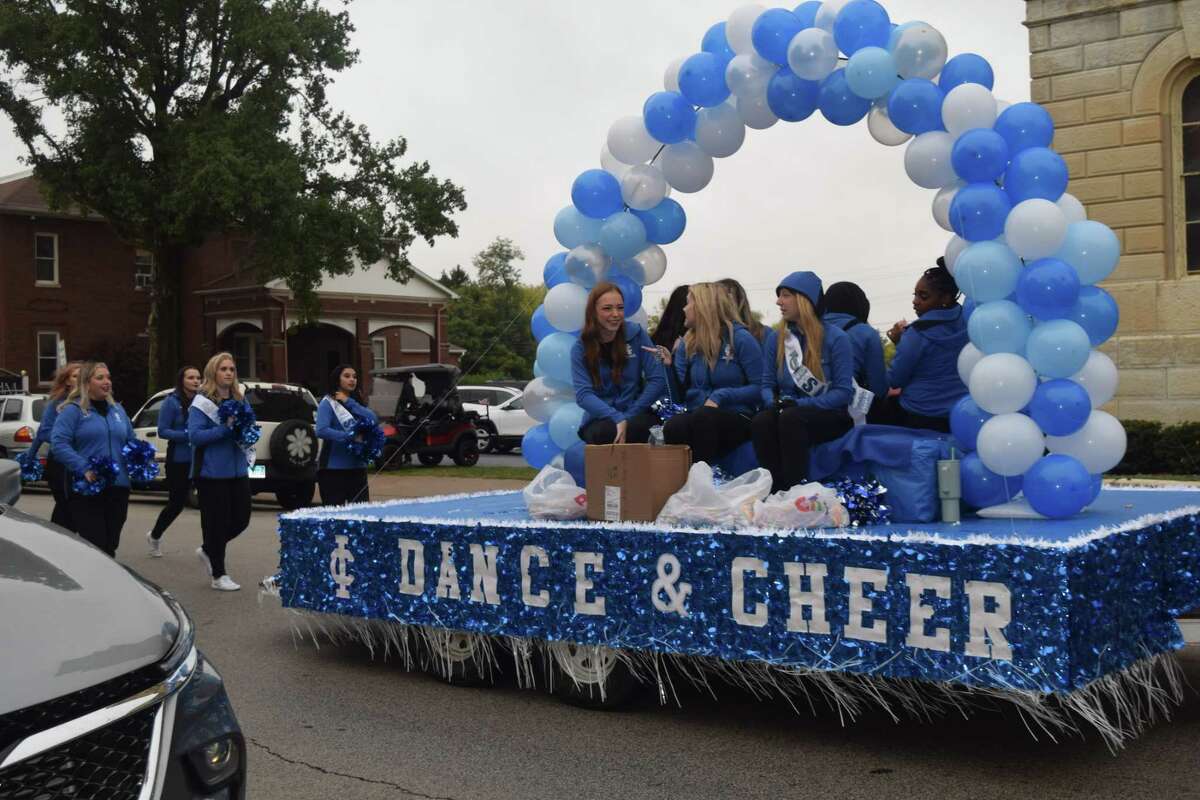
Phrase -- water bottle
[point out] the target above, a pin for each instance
(950, 488)
(656, 436)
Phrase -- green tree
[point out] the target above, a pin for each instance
(189, 118)
(455, 278)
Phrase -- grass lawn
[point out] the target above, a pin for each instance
(1181, 478)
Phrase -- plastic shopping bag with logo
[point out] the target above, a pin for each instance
(702, 501)
(808, 505)
(553, 494)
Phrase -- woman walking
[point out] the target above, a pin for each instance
(65, 379)
(343, 474)
(172, 426)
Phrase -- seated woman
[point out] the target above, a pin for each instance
(717, 371)
(846, 306)
(808, 367)
(741, 302)
(925, 367)
(615, 372)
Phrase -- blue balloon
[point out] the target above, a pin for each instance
(538, 323)
(537, 447)
(966, 418)
(1048, 289)
(1058, 348)
(981, 487)
(894, 36)
(791, 97)
(554, 356)
(966, 68)
(999, 327)
(630, 291)
(1036, 172)
(1092, 249)
(597, 194)
(978, 212)
(564, 425)
(807, 13)
(916, 106)
(861, 23)
(987, 271)
(968, 307)
(702, 80)
(1025, 125)
(773, 32)
(664, 223)
(555, 271)
(623, 235)
(1060, 407)
(572, 228)
(838, 104)
(1097, 313)
(871, 73)
(1097, 487)
(1058, 486)
(979, 155)
(669, 117)
(573, 462)
(715, 42)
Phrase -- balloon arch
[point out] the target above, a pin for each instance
(1023, 252)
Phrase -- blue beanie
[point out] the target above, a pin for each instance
(805, 283)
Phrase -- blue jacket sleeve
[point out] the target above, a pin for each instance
(770, 380)
(62, 437)
(358, 409)
(653, 372)
(676, 373)
(328, 427)
(45, 427)
(202, 430)
(749, 354)
(171, 424)
(876, 371)
(585, 393)
(908, 355)
(841, 380)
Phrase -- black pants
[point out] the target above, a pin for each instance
(604, 431)
(342, 486)
(890, 412)
(56, 477)
(710, 432)
(99, 518)
(178, 486)
(783, 439)
(224, 514)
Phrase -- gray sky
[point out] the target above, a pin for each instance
(512, 100)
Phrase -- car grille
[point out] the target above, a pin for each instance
(106, 764)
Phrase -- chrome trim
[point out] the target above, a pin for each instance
(157, 777)
(73, 729)
(148, 779)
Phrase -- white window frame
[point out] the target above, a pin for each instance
(38, 349)
(377, 357)
(428, 340)
(36, 280)
(142, 280)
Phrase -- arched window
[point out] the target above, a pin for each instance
(1189, 115)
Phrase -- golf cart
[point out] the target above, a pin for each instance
(427, 416)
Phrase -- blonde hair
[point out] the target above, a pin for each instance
(60, 388)
(814, 337)
(79, 394)
(209, 387)
(713, 316)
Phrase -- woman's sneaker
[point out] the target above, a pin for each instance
(203, 556)
(225, 584)
(155, 545)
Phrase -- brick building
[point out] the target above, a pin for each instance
(66, 277)
(1122, 81)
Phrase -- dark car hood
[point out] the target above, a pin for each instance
(70, 616)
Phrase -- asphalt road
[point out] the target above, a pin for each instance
(331, 722)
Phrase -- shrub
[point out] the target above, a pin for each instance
(1157, 449)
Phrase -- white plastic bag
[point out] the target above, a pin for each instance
(808, 505)
(700, 502)
(553, 494)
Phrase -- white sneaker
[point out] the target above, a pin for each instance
(200, 554)
(155, 545)
(225, 584)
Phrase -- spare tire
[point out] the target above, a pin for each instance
(293, 446)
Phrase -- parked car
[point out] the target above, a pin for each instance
(431, 425)
(19, 418)
(286, 453)
(502, 419)
(104, 692)
(10, 482)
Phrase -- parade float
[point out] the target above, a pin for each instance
(1059, 596)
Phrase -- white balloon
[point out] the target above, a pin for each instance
(954, 249)
(968, 357)
(812, 54)
(671, 76)
(1035, 229)
(941, 205)
(1072, 209)
(641, 318)
(643, 187)
(827, 13)
(1099, 444)
(968, 106)
(720, 130)
(565, 304)
(630, 142)
(585, 265)
(927, 160)
(609, 163)
(543, 396)
(748, 73)
(754, 110)
(1099, 377)
(1002, 383)
(1001, 106)
(920, 52)
(653, 262)
(880, 126)
(1009, 444)
(686, 167)
(740, 26)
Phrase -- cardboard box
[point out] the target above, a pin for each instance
(632, 482)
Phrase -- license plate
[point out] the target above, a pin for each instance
(258, 471)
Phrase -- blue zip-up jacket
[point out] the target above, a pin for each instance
(837, 362)
(733, 384)
(172, 426)
(643, 380)
(926, 363)
(45, 426)
(869, 369)
(221, 458)
(335, 455)
(79, 437)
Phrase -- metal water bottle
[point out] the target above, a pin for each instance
(950, 487)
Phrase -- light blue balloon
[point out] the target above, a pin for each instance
(1092, 249)
(555, 271)
(861, 23)
(554, 356)
(1097, 313)
(573, 228)
(987, 271)
(623, 235)
(539, 325)
(1000, 327)
(773, 32)
(564, 425)
(871, 73)
(1057, 348)
(537, 370)
(537, 447)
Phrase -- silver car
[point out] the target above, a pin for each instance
(19, 418)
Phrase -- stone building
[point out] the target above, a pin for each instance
(1122, 81)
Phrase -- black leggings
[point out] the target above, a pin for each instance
(890, 412)
(710, 432)
(342, 486)
(178, 486)
(56, 477)
(99, 518)
(224, 514)
(783, 438)
(604, 431)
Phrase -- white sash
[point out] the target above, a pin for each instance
(860, 404)
(344, 417)
(808, 383)
(209, 409)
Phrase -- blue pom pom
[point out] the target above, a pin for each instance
(140, 462)
(105, 470)
(31, 466)
(245, 430)
(864, 502)
(368, 439)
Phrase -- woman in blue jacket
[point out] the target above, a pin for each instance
(925, 367)
(172, 426)
(846, 306)
(90, 425)
(220, 468)
(342, 475)
(66, 378)
(807, 384)
(717, 372)
(615, 372)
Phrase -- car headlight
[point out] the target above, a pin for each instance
(217, 761)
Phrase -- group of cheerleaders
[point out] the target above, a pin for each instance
(805, 381)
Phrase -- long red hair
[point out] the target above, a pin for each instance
(590, 335)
